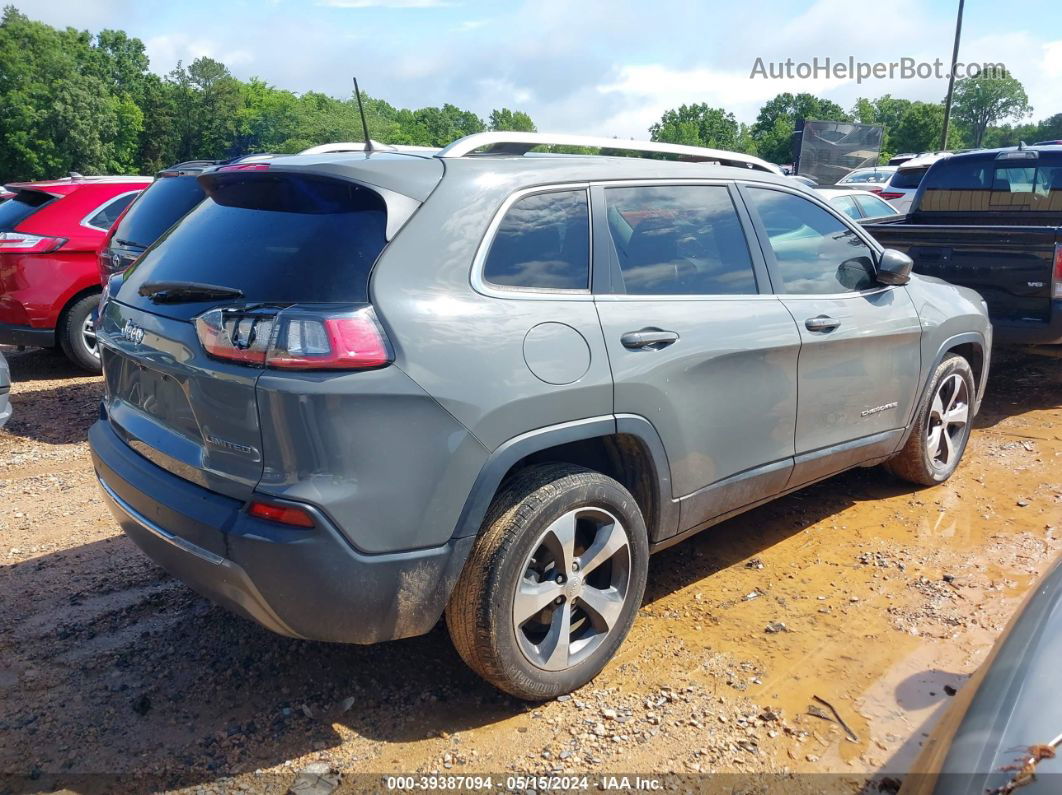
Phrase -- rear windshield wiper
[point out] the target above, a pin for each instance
(121, 242)
(178, 292)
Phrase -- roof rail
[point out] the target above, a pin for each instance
(359, 146)
(346, 146)
(518, 143)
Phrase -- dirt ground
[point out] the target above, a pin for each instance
(890, 596)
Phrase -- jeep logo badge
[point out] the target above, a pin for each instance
(132, 332)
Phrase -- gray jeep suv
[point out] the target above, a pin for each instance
(350, 392)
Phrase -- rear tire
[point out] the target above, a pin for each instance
(553, 583)
(77, 334)
(941, 426)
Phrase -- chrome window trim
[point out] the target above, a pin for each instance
(85, 221)
(480, 283)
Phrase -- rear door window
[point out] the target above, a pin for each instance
(542, 243)
(278, 238)
(157, 209)
(679, 240)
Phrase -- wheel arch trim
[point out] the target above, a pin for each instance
(511, 452)
(965, 338)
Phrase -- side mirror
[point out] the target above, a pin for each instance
(894, 267)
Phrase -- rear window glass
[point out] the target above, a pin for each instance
(158, 208)
(976, 185)
(18, 209)
(283, 239)
(908, 179)
(543, 242)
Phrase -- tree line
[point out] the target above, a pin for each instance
(980, 104)
(71, 101)
(74, 101)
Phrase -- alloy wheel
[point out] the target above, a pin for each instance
(573, 589)
(948, 418)
(88, 333)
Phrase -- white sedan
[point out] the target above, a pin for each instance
(858, 204)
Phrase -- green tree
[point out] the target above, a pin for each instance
(510, 121)
(698, 125)
(777, 120)
(56, 114)
(986, 99)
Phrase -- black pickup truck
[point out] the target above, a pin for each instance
(992, 220)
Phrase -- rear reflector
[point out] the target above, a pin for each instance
(1057, 276)
(21, 243)
(285, 514)
(296, 339)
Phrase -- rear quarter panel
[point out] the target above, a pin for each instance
(465, 348)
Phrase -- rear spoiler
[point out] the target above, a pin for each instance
(400, 207)
(15, 188)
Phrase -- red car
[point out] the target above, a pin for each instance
(49, 275)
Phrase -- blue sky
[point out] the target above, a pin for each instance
(607, 68)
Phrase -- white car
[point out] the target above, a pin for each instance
(901, 188)
(858, 204)
(873, 178)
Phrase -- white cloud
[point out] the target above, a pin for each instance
(469, 25)
(165, 51)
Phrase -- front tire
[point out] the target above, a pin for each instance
(941, 426)
(553, 583)
(77, 334)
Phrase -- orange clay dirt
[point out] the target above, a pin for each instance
(889, 595)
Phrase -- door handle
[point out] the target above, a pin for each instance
(652, 338)
(821, 323)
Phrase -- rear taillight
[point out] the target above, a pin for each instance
(875, 190)
(296, 339)
(285, 514)
(886, 194)
(1057, 276)
(21, 243)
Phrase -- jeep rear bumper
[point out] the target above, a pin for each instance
(304, 583)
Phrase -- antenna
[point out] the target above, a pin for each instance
(364, 124)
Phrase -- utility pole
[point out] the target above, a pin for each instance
(951, 77)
